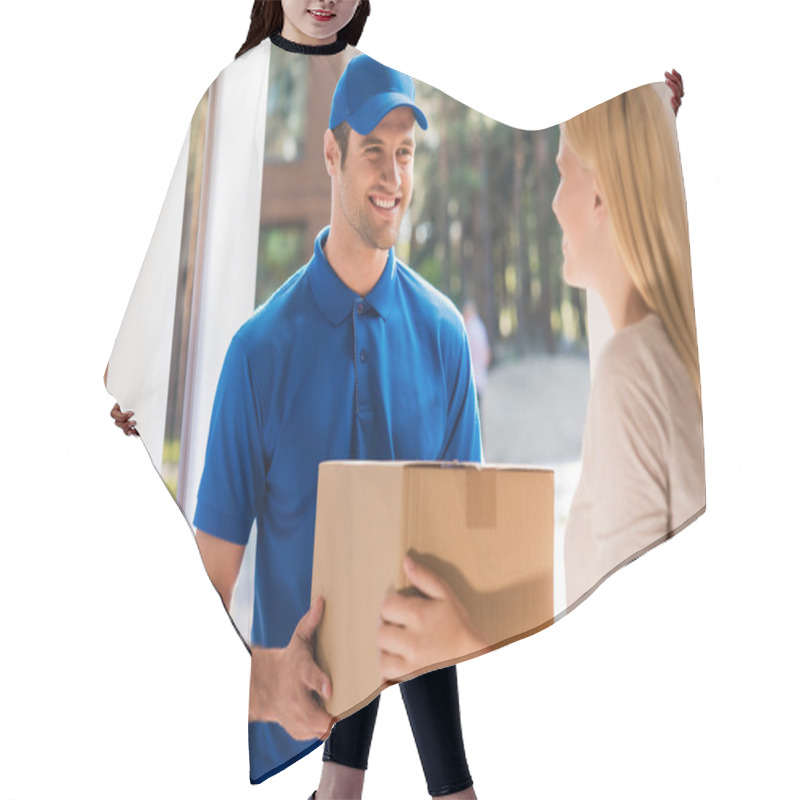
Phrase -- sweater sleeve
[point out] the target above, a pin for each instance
(621, 506)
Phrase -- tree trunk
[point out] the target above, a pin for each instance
(444, 203)
(523, 296)
(541, 157)
(485, 261)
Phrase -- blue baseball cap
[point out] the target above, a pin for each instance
(367, 92)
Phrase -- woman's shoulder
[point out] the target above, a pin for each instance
(639, 351)
(640, 367)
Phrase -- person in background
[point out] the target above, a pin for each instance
(479, 349)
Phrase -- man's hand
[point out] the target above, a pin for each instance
(419, 632)
(284, 681)
(675, 82)
(124, 420)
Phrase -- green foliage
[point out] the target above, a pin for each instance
(431, 269)
(280, 252)
(172, 451)
(169, 465)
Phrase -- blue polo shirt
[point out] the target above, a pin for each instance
(319, 373)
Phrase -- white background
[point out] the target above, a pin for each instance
(119, 674)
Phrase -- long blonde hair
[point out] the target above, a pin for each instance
(630, 144)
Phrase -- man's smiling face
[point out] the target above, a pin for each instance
(373, 188)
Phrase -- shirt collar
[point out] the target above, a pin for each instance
(334, 298)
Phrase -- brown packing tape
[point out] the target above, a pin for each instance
(481, 491)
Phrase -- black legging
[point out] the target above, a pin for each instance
(432, 706)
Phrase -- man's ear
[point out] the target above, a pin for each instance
(330, 149)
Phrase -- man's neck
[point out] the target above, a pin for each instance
(358, 265)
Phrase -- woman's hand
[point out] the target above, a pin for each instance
(675, 82)
(124, 420)
(419, 632)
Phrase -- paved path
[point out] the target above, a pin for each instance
(534, 410)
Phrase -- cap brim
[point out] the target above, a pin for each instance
(364, 120)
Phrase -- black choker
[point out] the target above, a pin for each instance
(308, 49)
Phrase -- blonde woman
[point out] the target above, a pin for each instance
(620, 204)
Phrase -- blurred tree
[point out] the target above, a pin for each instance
(523, 265)
(543, 198)
(482, 226)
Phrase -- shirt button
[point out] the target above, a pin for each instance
(360, 308)
(363, 356)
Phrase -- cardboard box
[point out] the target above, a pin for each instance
(487, 530)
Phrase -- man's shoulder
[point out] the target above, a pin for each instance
(435, 306)
(271, 319)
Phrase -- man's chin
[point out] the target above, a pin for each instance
(381, 240)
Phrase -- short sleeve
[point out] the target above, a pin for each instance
(234, 474)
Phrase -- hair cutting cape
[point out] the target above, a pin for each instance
(248, 198)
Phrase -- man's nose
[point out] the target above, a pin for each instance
(390, 172)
